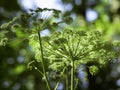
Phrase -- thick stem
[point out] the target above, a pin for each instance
(72, 76)
(43, 65)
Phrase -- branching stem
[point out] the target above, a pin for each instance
(43, 65)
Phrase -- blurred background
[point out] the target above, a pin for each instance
(101, 15)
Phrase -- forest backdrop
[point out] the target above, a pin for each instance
(15, 56)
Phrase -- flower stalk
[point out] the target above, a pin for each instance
(43, 65)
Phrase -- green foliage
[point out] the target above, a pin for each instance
(93, 69)
(80, 46)
(61, 51)
(3, 41)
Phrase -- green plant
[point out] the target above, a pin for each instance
(59, 54)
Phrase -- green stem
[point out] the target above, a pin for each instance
(72, 76)
(56, 85)
(76, 84)
(67, 85)
(43, 65)
(39, 71)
